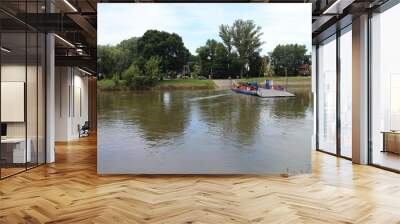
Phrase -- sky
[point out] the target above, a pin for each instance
(196, 22)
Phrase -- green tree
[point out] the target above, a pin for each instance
(143, 60)
(213, 59)
(130, 74)
(206, 55)
(196, 71)
(136, 79)
(152, 68)
(109, 61)
(113, 60)
(255, 65)
(221, 62)
(128, 49)
(234, 66)
(290, 57)
(225, 32)
(169, 48)
(246, 38)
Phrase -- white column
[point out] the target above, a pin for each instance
(50, 99)
(314, 91)
(360, 90)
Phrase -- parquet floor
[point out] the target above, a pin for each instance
(70, 191)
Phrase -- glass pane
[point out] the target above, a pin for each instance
(31, 98)
(41, 99)
(13, 86)
(386, 89)
(346, 93)
(31, 88)
(327, 96)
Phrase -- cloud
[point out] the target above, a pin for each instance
(280, 23)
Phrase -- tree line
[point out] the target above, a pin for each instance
(143, 61)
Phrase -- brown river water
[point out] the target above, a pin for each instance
(203, 132)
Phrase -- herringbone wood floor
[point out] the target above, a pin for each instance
(70, 191)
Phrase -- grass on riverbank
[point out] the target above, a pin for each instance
(185, 84)
(108, 84)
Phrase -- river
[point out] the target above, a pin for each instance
(203, 132)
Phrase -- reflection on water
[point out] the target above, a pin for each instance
(184, 131)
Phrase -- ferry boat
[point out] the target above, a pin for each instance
(245, 88)
(253, 89)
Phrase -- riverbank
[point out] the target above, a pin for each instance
(185, 84)
(291, 81)
(108, 84)
(280, 80)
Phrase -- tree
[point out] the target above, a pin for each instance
(221, 61)
(113, 60)
(255, 65)
(246, 38)
(169, 48)
(137, 79)
(206, 55)
(235, 65)
(128, 49)
(195, 71)
(225, 32)
(152, 68)
(290, 57)
(109, 61)
(213, 59)
(130, 74)
(143, 60)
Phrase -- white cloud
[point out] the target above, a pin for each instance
(281, 23)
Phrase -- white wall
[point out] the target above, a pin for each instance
(62, 82)
(71, 94)
(81, 94)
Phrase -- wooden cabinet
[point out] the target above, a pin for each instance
(391, 142)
